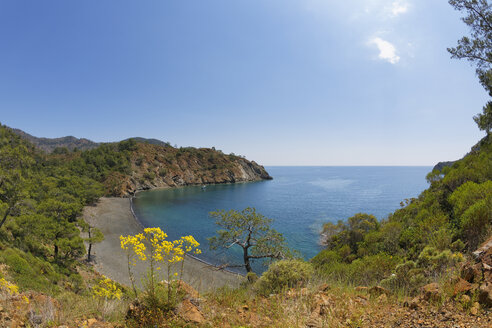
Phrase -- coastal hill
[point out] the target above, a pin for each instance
(154, 166)
(141, 164)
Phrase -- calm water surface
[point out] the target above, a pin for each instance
(299, 199)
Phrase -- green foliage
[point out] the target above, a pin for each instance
(407, 277)
(367, 270)
(453, 215)
(284, 274)
(30, 272)
(350, 233)
(484, 119)
(472, 205)
(149, 175)
(41, 197)
(477, 49)
(435, 262)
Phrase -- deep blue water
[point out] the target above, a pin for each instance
(299, 199)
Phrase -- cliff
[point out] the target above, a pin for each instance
(155, 166)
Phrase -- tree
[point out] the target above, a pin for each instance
(252, 232)
(59, 228)
(94, 235)
(484, 120)
(14, 164)
(477, 48)
(11, 194)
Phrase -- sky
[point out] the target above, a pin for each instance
(282, 82)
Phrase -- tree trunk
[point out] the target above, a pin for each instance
(7, 212)
(56, 251)
(89, 252)
(247, 264)
(90, 246)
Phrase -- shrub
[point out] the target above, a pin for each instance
(326, 257)
(407, 277)
(149, 175)
(30, 272)
(284, 274)
(252, 277)
(436, 262)
(368, 270)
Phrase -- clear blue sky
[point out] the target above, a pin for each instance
(283, 82)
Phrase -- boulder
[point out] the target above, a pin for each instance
(189, 312)
(471, 272)
(414, 303)
(190, 292)
(431, 292)
(485, 294)
(378, 290)
(462, 287)
(475, 309)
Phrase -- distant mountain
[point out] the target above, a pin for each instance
(150, 141)
(50, 144)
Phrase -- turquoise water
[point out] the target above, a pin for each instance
(299, 199)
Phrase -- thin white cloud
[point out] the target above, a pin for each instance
(387, 50)
(398, 8)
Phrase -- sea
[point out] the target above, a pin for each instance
(298, 199)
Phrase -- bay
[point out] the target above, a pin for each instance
(299, 199)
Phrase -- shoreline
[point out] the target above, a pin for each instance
(115, 217)
(190, 256)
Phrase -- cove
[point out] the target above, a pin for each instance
(299, 199)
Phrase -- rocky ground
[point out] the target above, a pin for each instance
(323, 307)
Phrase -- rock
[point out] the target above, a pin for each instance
(472, 272)
(462, 287)
(321, 304)
(17, 324)
(37, 319)
(485, 294)
(414, 303)
(189, 312)
(324, 288)
(189, 291)
(91, 322)
(431, 292)
(465, 299)
(378, 290)
(475, 309)
(361, 289)
(314, 323)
